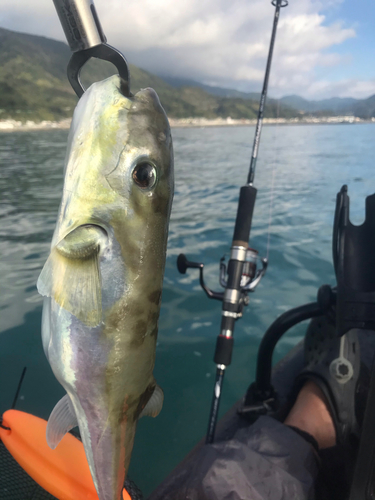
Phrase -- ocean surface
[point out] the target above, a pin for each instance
(307, 165)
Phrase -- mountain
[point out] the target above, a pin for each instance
(335, 104)
(219, 91)
(34, 86)
(363, 108)
(33, 82)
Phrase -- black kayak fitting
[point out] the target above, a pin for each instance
(354, 262)
(261, 397)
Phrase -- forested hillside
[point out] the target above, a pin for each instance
(34, 86)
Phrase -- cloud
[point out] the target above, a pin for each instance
(344, 88)
(214, 41)
(38, 17)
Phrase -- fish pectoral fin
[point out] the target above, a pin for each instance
(62, 419)
(71, 274)
(154, 405)
(82, 243)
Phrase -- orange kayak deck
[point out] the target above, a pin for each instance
(63, 472)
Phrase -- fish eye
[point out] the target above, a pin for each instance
(144, 175)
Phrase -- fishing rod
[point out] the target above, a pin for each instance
(86, 40)
(278, 4)
(241, 275)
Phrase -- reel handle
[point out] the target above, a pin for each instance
(183, 264)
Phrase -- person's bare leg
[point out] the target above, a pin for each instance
(310, 414)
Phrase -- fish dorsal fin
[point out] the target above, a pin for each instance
(62, 420)
(71, 274)
(154, 405)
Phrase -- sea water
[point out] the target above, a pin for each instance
(299, 171)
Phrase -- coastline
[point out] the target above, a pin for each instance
(225, 122)
(14, 125)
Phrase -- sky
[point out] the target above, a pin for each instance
(324, 48)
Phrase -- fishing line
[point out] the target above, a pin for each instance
(275, 142)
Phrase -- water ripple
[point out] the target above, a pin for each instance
(309, 165)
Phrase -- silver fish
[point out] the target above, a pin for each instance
(103, 278)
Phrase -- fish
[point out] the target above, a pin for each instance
(102, 281)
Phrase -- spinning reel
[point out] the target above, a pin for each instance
(251, 275)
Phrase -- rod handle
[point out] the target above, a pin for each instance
(223, 351)
(244, 215)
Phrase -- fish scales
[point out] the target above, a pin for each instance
(103, 279)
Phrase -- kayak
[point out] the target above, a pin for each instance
(331, 483)
(283, 376)
(31, 470)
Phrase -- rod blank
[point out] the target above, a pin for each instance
(262, 104)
